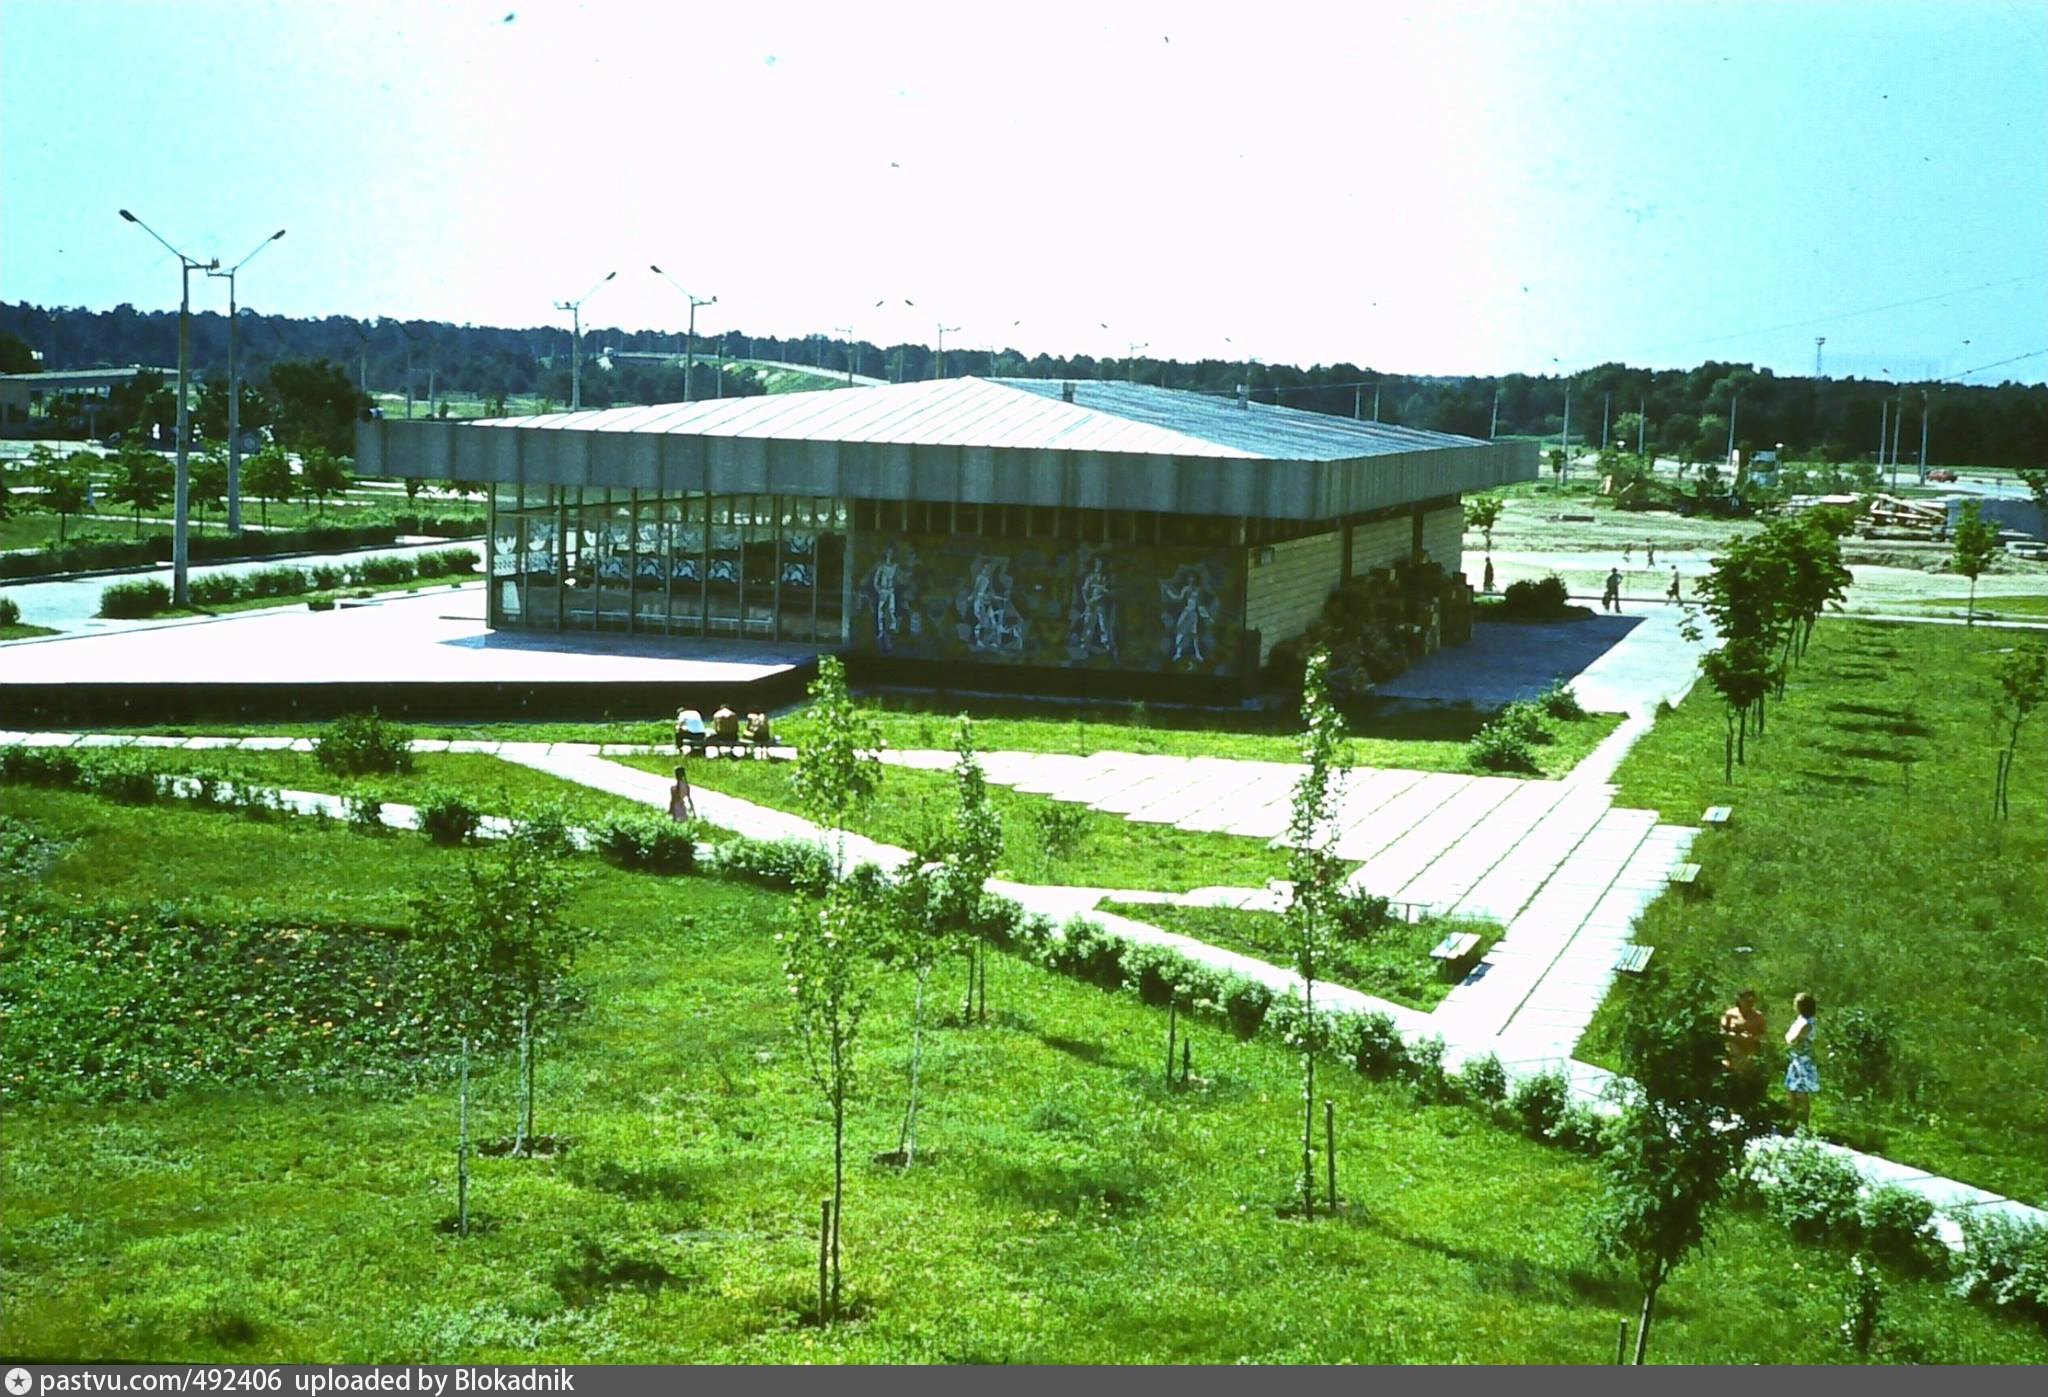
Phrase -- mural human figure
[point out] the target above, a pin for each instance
(884, 583)
(1096, 598)
(986, 609)
(1187, 621)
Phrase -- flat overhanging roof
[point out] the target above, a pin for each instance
(971, 441)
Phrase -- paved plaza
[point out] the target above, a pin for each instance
(436, 636)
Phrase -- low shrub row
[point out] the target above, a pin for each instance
(1819, 1197)
(1543, 599)
(362, 745)
(1509, 740)
(647, 843)
(10, 612)
(148, 597)
(98, 554)
(124, 778)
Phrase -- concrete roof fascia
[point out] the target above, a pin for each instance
(938, 471)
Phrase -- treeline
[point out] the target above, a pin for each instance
(1685, 409)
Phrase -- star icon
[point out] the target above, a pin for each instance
(18, 1381)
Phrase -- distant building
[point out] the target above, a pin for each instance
(941, 529)
(24, 396)
(1763, 469)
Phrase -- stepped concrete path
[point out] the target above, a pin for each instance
(1564, 870)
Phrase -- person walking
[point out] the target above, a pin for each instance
(1802, 1076)
(1671, 592)
(681, 807)
(1610, 600)
(1650, 552)
(1486, 586)
(1626, 550)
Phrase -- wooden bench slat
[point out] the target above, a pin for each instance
(1686, 873)
(1632, 959)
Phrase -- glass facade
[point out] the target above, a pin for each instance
(755, 567)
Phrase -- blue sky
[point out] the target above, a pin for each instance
(1444, 188)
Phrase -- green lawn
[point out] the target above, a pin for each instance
(21, 630)
(2028, 607)
(1863, 865)
(1391, 735)
(1067, 1209)
(495, 787)
(1416, 740)
(1393, 964)
(1112, 852)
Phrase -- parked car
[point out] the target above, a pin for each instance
(1945, 476)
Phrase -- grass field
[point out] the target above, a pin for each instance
(1393, 963)
(1863, 865)
(1416, 739)
(2022, 607)
(1067, 1209)
(1110, 853)
(1412, 739)
(21, 630)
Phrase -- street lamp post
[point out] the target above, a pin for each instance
(235, 391)
(847, 330)
(690, 351)
(939, 366)
(181, 591)
(1131, 360)
(575, 309)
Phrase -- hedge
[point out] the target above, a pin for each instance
(97, 554)
(147, 597)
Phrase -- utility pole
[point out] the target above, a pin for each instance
(690, 336)
(1375, 402)
(1818, 341)
(1564, 437)
(1884, 426)
(939, 359)
(1493, 427)
(847, 330)
(235, 392)
(1734, 401)
(1643, 431)
(181, 591)
(1898, 416)
(1131, 361)
(575, 309)
(1923, 440)
(1358, 402)
(1606, 401)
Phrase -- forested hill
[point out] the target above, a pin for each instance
(1687, 409)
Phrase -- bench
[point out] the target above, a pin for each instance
(1717, 814)
(1686, 873)
(1632, 959)
(1456, 954)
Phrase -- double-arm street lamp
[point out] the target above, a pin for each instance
(181, 591)
(575, 309)
(690, 350)
(235, 392)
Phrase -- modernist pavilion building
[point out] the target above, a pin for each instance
(1037, 525)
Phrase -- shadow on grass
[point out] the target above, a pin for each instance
(1836, 778)
(1519, 1275)
(1894, 727)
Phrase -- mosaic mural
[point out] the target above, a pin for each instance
(1058, 604)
